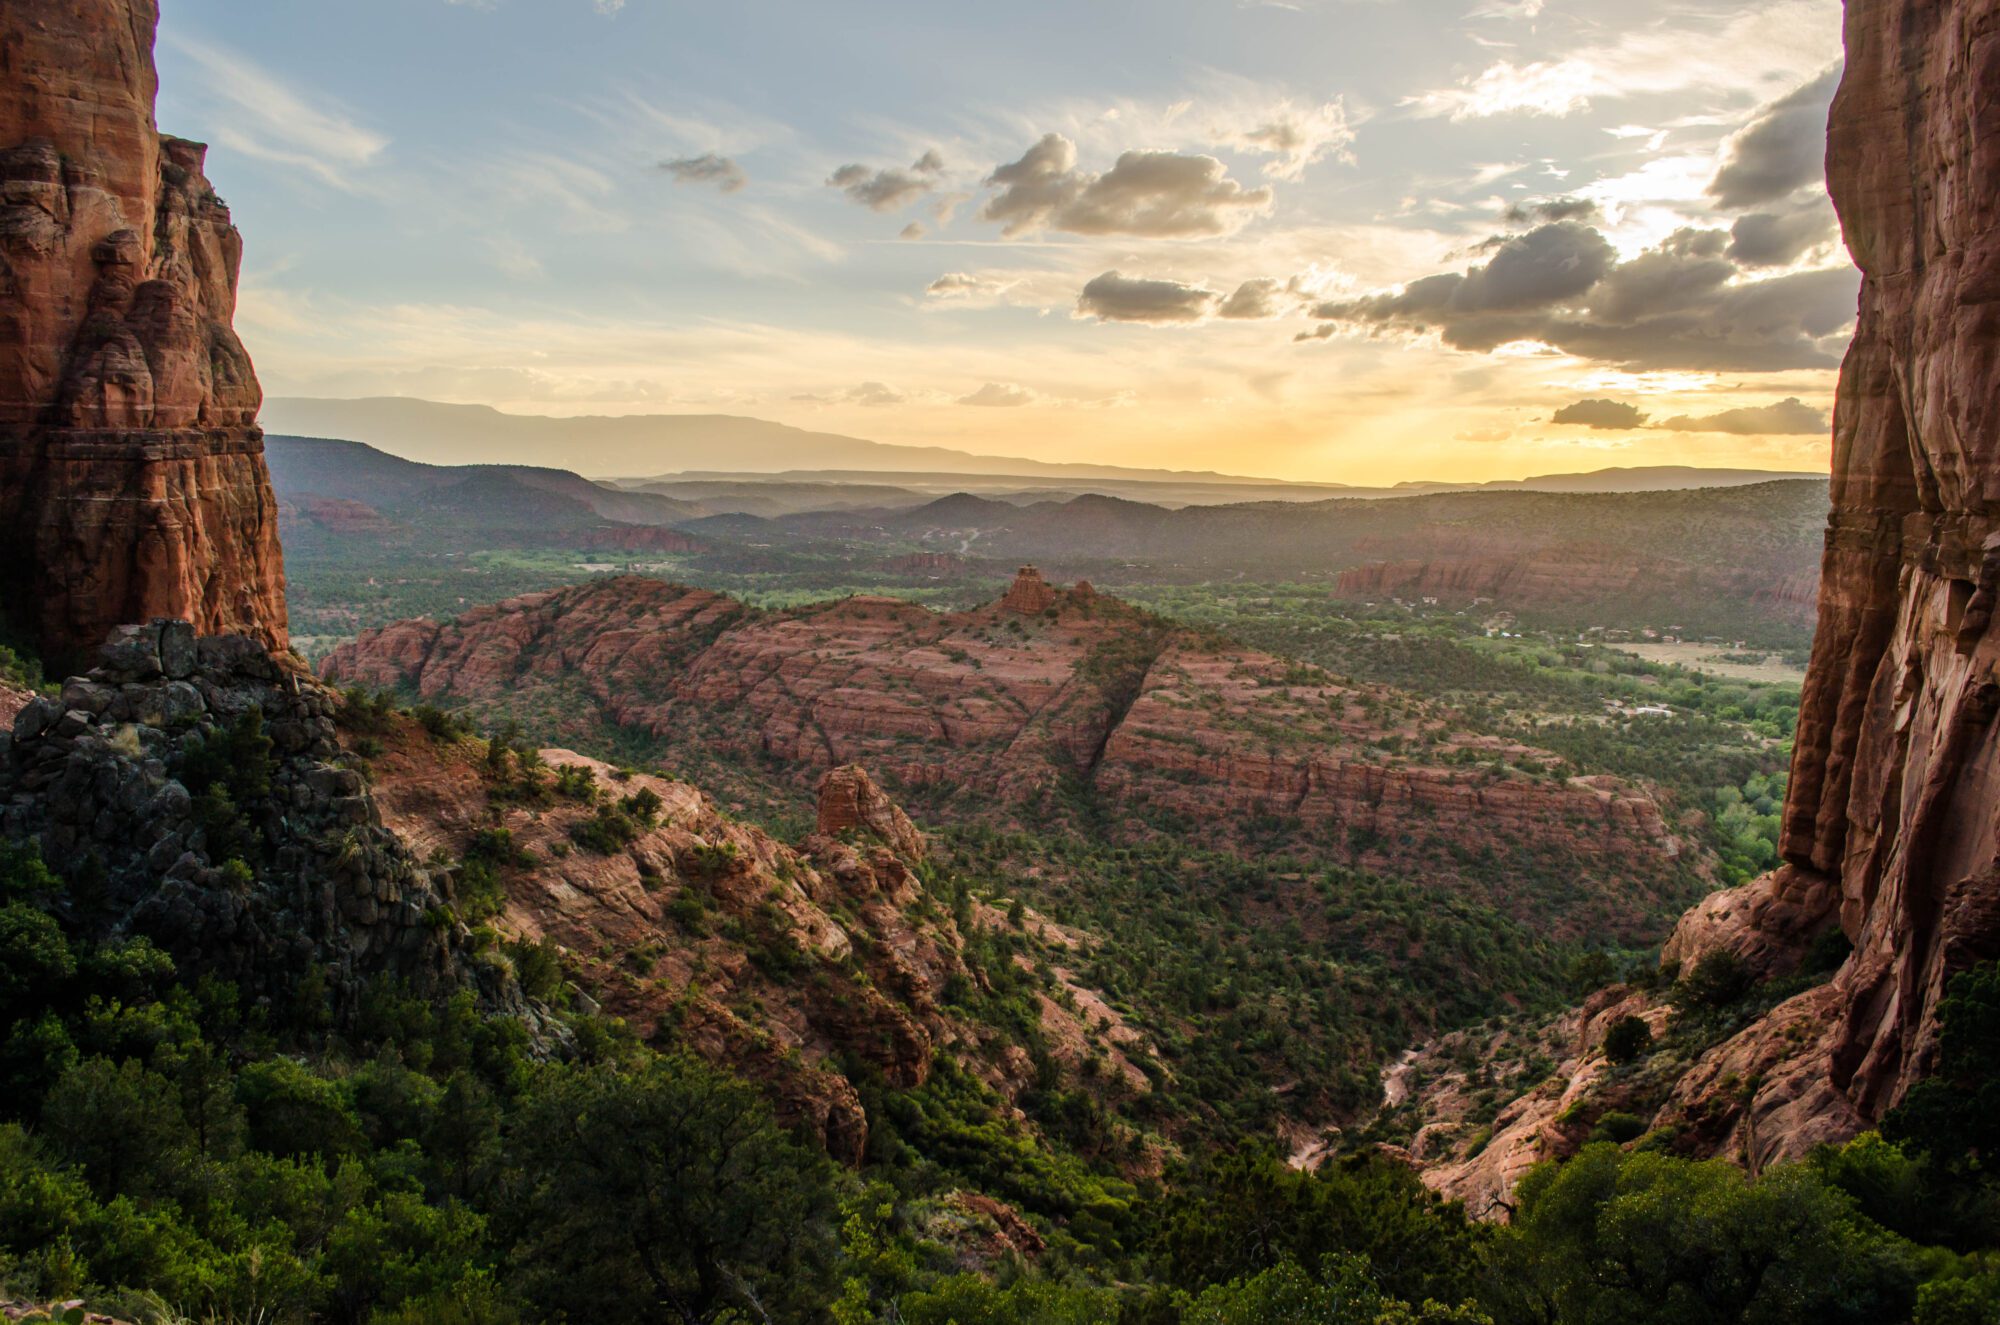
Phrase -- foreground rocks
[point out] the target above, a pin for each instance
(194, 792)
(132, 477)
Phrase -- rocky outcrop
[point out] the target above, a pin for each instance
(988, 714)
(194, 792)
(1892, 826)
(850, 802)
(1029, 594)
(790, 964)
(1892, 823)
(132, 479)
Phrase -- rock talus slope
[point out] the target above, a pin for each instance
(132, 478)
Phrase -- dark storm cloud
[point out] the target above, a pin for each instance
(1114, 297)
(1781, 150)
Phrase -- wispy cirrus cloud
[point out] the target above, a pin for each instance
(256, 114)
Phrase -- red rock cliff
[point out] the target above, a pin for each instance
(132, 478)
(1896, 783)
(1892, 828)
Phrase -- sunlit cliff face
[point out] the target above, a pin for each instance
(1330, 239)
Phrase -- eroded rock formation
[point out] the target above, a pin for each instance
(1892, 825)
(132, 479)
(996, 711)
(199, 788)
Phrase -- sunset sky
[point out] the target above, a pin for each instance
(1351, 240)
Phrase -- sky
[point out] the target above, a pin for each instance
(1355, 241)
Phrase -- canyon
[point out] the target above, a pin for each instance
(997, 714)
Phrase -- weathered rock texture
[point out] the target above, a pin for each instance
(1893, 821)
(1892, 825)
(990, 714)
(262, 866)
(132, 479)
(788, 964)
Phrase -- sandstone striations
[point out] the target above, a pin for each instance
(804, 968)
(996, 716)
(1892, 826)
(1892, 823)
(132, 480)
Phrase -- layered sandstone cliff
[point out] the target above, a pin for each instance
(132, 479)
(1892, 825)
(989, 715)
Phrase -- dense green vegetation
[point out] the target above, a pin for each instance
(171, 1149)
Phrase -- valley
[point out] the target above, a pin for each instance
(674, 866)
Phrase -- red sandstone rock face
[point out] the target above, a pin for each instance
(850, 802)
(675, 931)
(1892, 825)
(1029, 593)
(1001, 708)
(1893, 821)
(132, 479)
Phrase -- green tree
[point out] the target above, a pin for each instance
(1612, 1238)
(666, 1192)
(1342, 1292)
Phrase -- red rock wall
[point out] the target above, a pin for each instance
(1892, 826)
(1896, 785)
(132, 478)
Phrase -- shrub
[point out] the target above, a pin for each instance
(607, 832)
(1627, 1039)
(1719, 979)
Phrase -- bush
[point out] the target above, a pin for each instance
(1719, 979)
(607, 832)
(1627, 1039)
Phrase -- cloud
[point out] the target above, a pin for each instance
(1780, 151)
(967, 285)
(1159, 195)
(1542, 88)
(886, 190)
(1300, 137)
(914, 230)
(1000, 395)
(1552, 209)
(1606, 415)
(271, 120)
(1681, 306)
(1690, 52)
(872, 393)
(1767, 239)
(1114, 297)
(708, 168)
(1258, 298)
(1790, 417)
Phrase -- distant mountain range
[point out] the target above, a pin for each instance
(669, 452)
